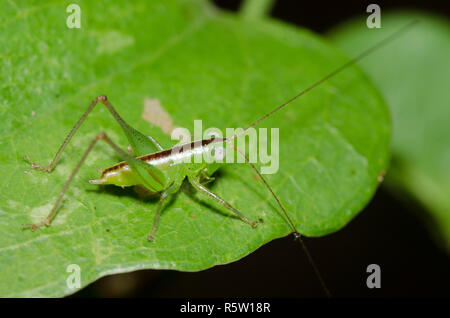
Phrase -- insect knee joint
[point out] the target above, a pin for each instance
(101, 135)
(101, 98)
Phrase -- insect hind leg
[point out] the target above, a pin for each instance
(47, 221)
(132, 134)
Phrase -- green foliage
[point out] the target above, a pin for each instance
(201, 64)
(413, 75)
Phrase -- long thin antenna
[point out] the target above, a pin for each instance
(317, 83)
(291, 224)
(333, 73)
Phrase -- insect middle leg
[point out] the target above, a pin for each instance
(199, 187)
(47, 221)
(164, 196)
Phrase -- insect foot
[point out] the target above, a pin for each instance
(150, 238)
(254, 224)
(34, 227)
(38, 167)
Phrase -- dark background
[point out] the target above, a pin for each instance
(390, 232)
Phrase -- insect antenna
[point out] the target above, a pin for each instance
(363, 54)
(291, 224)
(338, 70)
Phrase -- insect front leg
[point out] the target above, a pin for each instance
(199, 187)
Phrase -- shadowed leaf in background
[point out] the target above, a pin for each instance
(413, 76)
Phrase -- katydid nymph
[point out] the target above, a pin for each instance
(162, 172)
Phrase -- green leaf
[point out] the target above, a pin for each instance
(256, 9)
(413, 76)
(199, 63)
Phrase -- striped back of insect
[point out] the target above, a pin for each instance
(203, 157)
